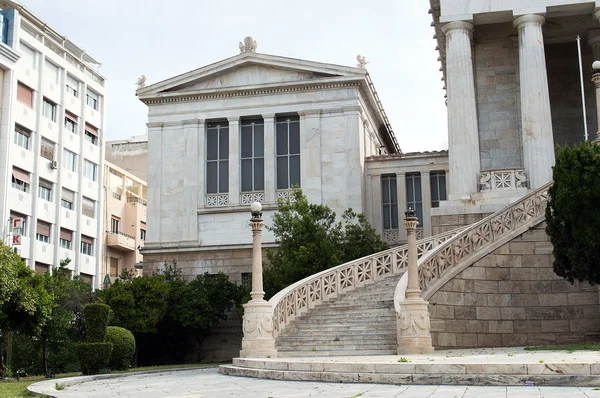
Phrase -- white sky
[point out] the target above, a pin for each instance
(164, 39)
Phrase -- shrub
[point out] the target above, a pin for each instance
(123, 347)
(96, 320)
(93, 356)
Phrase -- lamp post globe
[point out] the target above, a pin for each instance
(255, 207)
(596, 66)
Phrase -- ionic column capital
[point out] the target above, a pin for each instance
(528, 20)
(450, 27)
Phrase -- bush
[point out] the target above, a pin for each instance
(123, 347)
(96, 320)
(93, 356)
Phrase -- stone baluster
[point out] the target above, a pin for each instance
(536, 119)
(463, 135)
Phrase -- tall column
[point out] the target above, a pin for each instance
(234, 160)
(536, 119)
(463, 135)
(200, 176)
(269, 153)
(190, 161)
(257, 224)
(413, 289)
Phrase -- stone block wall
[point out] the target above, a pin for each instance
(512, 297)
(445, 223)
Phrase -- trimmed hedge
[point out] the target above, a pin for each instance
(123, 347)
(93, 356)
(96, 321)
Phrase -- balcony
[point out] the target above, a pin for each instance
(120, 241)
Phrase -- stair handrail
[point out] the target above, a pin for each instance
(297, 298)
(468, 243)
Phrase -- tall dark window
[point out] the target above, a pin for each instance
(414, 198)
(252, 155)
(389, 200)
(288, 151)
(438, 187)
(217, 157)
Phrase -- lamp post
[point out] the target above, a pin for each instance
(596, 81)
(413, 328)
(258, 341)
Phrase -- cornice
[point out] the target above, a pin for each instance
(154, 125)
(9, 53)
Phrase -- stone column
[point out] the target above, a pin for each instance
(463, 134)
(234, 160)
(258, 341)
(413, 331)
(191, 160)
(201, 177)
(536, 119)
(269, 122)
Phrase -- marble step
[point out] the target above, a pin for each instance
(338, 337)
(357, 346)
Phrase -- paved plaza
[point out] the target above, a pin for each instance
(209, 383)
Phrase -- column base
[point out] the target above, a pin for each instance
(258, 341)
(414, 335)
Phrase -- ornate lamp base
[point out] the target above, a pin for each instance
(258, 341)
(414, 335)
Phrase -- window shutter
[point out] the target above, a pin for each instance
(67, 195)
(87, 239)
(25, 95)
(43, 228)
(65, 234)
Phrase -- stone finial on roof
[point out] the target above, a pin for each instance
(362, 61)
(141, 82)
(248, 45)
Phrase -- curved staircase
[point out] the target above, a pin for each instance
(345, 310)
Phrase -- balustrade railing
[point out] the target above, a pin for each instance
(476, 237)
(296, 299)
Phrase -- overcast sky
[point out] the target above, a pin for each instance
(167, 38)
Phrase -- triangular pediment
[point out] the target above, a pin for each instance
(249, 70)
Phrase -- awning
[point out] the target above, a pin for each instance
(21, 175)
(143, 225)
(71, 117)
(91, 129)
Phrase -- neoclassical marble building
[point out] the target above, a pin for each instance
(513, 91)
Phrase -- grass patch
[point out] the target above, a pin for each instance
(567, 347)
(12, 388)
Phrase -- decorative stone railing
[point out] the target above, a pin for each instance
(392, 236)
(217, 200)
(479, 238)
(251, 197)
(496, 180)
(298, 298)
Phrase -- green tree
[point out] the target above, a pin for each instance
(573, 215)
(310, 240)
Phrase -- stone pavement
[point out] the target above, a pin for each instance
(209, 383)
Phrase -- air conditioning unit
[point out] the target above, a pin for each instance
(54, 164)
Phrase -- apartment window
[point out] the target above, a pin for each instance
(49, 109)
(66, 238)
(88, 207)
(252, 155)
(43, 231)
(21, 180)
(13, 216)
(142, 230)
(89, 170)
(45, 190)
(91, 134)
(87, 245)
(51, 73)
(288, 151)
(69, 160)
(28, 57)
(47, 149)
(25, 95)
(67, 199)
(91, 99)
(22, 137)
(41, 268)
(114, 267)
(414, 199)
(389, 200)
(71, 122)
(246, 278)
(437, 180)
(217, 158)
(87, 278)
(115, 224)
(72, 86)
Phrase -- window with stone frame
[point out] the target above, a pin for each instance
(69, 160)
(70, 122)
(437, 181)
(45, 190)
(43, 231)
(90, 170)
(389, 201)
(287, 137)
(246, 278)
(22, 137)
(67, 199)
(414, 197)
(252, 155)
(88, 207)
(66, 238)
(87, 245)
(217, 157)
(49, 109)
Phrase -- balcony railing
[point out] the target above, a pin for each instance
(133, 199)
(121, 240)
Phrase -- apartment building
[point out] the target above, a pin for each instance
(124, 220)
(51, 153)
